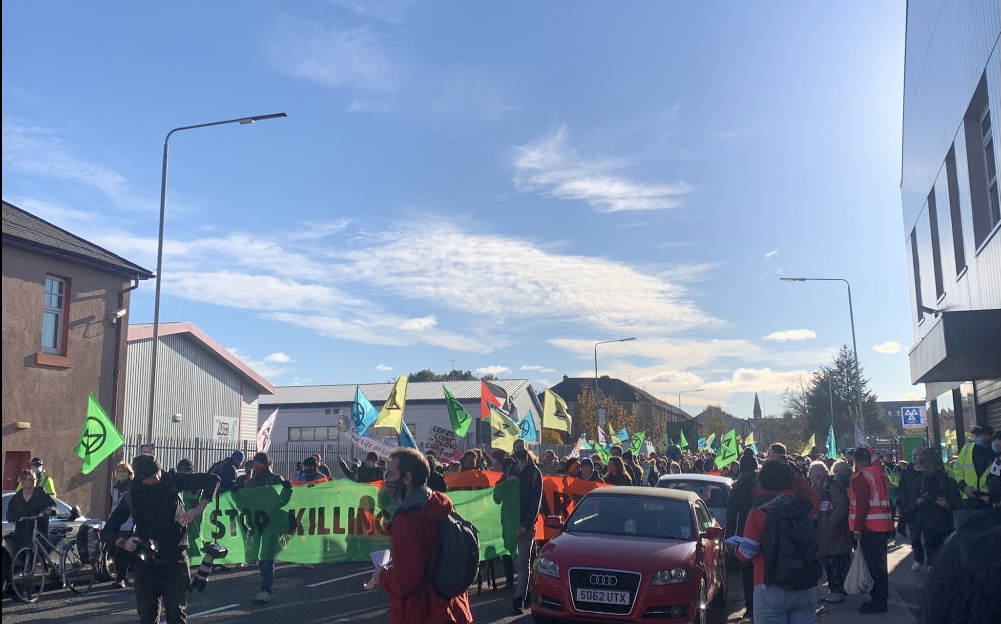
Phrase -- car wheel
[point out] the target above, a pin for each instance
(719, 600)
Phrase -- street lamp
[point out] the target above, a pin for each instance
(851, 315)
(596, 369)
(679, 396)
(159, 250)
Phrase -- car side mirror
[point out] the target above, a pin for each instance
(713, 533)
(75, 513)
(553, 522)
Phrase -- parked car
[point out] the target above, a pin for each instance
(66, 516)
(631, 554)
(713, 490)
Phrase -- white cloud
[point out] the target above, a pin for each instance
(889, 347)
(792, 334)
(537, 368)
(383, 367)
(492, 370)
(420, 324)
(278, 358)
(267, 366)
(550, 167)
(772, 253)
(759, 379)
(671, 378)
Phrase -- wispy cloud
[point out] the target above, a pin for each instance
(273, 365)
(889, 347)
(537, 368)
(772, 253)
(492, 370)
(759, 379)
(382, 367)
(792, 334)
(278, 358)
(551, 167)
(672, 378)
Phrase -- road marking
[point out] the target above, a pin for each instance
(340, 578)
(200, 613)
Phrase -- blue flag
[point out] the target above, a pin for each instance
(623, 435)
(405, 438)
(832, 445)
(363, 413)
(701, 445)
(527, 426)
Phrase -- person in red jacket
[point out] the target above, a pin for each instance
(800, 484)
(413, 545)
(871, 522)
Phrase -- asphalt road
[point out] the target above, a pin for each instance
(327, 593)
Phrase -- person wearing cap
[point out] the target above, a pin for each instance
(365, 473)
(322, 467)
(160, 518)
(871, 523)
(971, 467)
(264, 544)
(43, 480)
(310, 473)
(587, 471)
(227, 471)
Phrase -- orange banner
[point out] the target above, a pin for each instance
(559, 493)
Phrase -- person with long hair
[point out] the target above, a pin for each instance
(616, 474)
(123, 482)
(834, 541)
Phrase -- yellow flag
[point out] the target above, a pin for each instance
(812, 442)
(709, 440)
(391, 414)
(611, 432)
(555, 414)
(749, 440)
(503, 430)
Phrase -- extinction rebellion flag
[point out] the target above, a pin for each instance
(99, 438)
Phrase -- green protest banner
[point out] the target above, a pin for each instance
(337, 521)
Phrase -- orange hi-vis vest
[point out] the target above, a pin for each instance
(879, 518)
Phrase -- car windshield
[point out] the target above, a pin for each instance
(633, 516)
(712, 494)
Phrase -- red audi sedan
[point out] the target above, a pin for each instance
(631, 554)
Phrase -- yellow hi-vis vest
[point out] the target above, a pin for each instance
(964, 470)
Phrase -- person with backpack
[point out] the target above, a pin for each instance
(780, 540)
(529, 479)
(414, 540)
(871, 522)
(226, 469)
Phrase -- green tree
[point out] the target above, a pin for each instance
(715, 423)
(453, 375)
(586, 419)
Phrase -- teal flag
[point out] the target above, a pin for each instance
(622, 435)
(363, 413)
(832, 445)
(586, 446)
(529, 433)
(338, 521)
(405, 438)
(701, 443)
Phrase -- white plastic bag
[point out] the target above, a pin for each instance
(858, 581)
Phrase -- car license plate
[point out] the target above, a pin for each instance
(604, 596)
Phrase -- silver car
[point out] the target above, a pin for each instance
(714, 491)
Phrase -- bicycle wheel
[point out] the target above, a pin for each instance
(77, 575)
(27, 575)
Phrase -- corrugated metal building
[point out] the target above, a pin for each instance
(203, 390)
(951, 209)
(323, 413)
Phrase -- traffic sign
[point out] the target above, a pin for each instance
(914, 417)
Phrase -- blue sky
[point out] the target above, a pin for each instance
(502, 184)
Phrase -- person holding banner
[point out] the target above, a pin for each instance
(413, 545)
(529, 479)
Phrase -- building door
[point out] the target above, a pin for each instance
(13, 463)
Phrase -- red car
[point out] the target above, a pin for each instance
(631, 554)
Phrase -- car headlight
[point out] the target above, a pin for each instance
(547, 567)
(670, 577)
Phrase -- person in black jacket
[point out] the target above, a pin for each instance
(436, 481)
(737, 507)
(937, 498)
(366, 473)
(530, 490)
(30, 501)
(154, 502)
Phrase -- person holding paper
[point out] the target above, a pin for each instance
(413, 546)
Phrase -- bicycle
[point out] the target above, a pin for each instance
(32, 565)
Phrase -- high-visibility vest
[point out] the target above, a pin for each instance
(964, 470)
(879, 518)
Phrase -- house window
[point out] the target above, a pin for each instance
(936, 247)
(311, 434)
(990, 168)
(54, 316)
(956, 217)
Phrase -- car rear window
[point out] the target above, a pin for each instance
(712, 494)
(638, 516)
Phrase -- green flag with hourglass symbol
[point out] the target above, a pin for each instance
(99, 438)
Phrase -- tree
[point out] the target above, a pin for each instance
(835, 385)
(715, 423)
(586, 419)
(453, 375)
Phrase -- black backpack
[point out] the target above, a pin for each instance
(789, 545)
(218, 466)
(458, 556)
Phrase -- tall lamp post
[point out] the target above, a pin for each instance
(159, 251)
(596, 369)
(683, 391)
(851, 316)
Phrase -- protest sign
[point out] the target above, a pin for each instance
(442, 442)
(369, 442)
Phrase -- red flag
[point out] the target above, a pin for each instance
(487, 399)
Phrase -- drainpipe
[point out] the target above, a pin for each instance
(123, 327)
